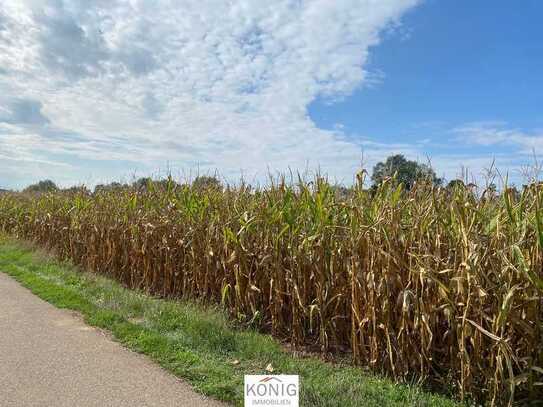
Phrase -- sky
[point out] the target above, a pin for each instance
(92, 92)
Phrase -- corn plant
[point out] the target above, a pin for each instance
(434, 283)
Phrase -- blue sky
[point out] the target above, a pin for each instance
(451, 63)
(101, 91)
(456, 61)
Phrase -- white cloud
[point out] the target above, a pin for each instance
(223, 83)
(499, 133)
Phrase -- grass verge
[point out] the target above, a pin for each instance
(197, 342)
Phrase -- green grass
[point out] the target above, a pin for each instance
(197, 342)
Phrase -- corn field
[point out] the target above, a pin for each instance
(434, 283)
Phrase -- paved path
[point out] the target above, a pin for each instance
(49, 357)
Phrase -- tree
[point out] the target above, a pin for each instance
(204, 182)
(77, 189)
(42, 186)
(456, 183)
(114, 186)
(341, 192)
(142, 183)
(407, 171)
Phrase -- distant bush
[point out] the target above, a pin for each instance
(42, 186)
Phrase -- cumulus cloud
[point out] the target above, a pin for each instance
(221, 84)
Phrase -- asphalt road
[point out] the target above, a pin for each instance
(49, 357)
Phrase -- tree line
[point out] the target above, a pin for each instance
(397, 167)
